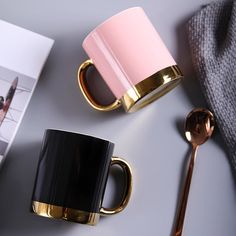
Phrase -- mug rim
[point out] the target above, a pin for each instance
(108, 20)
(79, 134)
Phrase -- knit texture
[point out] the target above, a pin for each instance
(212, 38)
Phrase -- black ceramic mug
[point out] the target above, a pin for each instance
(71, 177)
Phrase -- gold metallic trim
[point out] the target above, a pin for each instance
(58, 212)
(151, 88)
(128, 189)
(82, 84)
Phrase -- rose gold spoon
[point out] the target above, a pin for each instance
(199, 126)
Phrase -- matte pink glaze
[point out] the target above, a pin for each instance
(127, 49)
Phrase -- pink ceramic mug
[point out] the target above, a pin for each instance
(131, 58)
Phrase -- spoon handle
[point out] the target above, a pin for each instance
(185, 193)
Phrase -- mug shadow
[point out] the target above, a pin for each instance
(190, 84)
(16, 186)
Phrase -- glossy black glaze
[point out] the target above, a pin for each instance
(72, 170)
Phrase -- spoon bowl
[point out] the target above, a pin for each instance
(199, 126)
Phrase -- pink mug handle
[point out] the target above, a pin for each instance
(81, 80)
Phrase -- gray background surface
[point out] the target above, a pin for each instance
(151, 139)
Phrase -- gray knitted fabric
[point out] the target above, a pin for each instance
(212, 37)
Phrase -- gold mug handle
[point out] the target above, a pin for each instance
(127, 171)
(81, 80)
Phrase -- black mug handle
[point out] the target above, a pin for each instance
(127, 192)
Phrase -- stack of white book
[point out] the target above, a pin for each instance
(22, 56)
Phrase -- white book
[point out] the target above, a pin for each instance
(22, 56)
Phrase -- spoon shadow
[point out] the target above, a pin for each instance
(180, 127)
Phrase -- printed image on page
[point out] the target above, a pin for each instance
(15, 91)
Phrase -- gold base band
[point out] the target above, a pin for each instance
(151, 88)
(58, 212)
